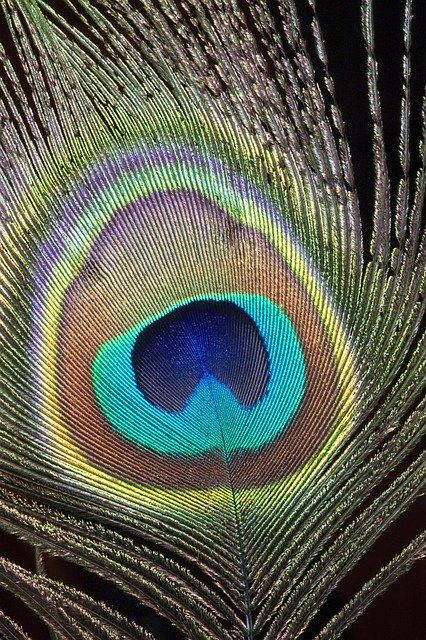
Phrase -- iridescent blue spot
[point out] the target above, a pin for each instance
(201, 338)
(224, 371)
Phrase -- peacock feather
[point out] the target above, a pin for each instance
(212, 379)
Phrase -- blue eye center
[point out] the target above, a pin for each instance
(200, 339)
(203, 374)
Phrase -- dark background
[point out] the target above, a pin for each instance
(399, 614)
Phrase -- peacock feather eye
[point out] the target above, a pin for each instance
(201, 379)
(183, 330)
(211, 352)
